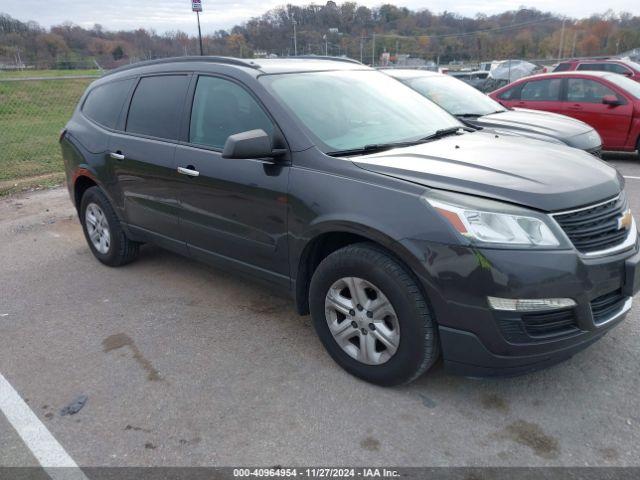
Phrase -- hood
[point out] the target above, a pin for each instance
(573, 132)
(518, 170)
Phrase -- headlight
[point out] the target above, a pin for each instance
(493, 223)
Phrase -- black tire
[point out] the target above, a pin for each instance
(418, 347)
(121, 250)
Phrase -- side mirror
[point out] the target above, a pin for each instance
(611, 100)
(250, 144)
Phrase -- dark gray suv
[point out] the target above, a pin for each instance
(405, 235)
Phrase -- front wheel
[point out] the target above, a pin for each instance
(102, 229)
(372, 317)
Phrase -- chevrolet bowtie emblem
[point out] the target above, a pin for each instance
(625, 220)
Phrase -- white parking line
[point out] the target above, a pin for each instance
(49, 453)
(630, 176)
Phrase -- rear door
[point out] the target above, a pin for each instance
(543, 94)
(143, 158)
(584, 102)
(235, 210)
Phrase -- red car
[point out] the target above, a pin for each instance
(608, 102)
(613, 65)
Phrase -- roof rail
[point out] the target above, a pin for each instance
(212, 59)
(326, 57)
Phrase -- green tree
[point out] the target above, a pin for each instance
(117, 53)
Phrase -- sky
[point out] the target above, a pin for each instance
(168, 15)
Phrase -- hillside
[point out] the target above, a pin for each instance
(344, 29)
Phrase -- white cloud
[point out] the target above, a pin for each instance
(166, 15)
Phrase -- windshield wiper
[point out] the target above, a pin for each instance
(469, 115)
(381, 147)
(444, 132)
(372, 148)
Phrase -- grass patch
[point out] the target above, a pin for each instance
(32, 113)
(46, 73)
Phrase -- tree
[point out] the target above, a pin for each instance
(53, 44)
(117, 53)
(420, 33)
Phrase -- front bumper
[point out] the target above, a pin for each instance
(479, 341)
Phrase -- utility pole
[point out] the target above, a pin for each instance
(361, 45)
(295, 39)
(199, 34)
(573, 48)
(373, 51)
(561, 47)
(326, 46)
(196, 6)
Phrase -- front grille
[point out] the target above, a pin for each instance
(535, 327)
(595, 228)
(550, 323)
(606, 305)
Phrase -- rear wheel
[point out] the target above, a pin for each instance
(102, 229)
(372, 317)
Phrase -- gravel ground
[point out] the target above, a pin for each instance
(188, 365)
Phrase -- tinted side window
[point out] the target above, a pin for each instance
(598, 67)
(222, 108)
(542, 90)
(562, 67)
(156, 106)
(586, 91)
(511, 94)
(616, 68)
(104, 103)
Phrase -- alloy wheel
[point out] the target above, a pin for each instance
(97, 228)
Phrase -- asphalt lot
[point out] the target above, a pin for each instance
(184, 364)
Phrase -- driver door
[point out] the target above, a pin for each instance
(235, 210)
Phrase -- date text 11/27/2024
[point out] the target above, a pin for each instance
(317, 472)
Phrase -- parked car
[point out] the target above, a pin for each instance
(404, 235)
(608, 102)
(627, 68)
(477, 109)
(473, 78)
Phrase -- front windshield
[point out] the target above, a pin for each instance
(630, 86)
(455, 96)
(346, 110)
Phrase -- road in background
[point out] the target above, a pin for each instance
(184, 364)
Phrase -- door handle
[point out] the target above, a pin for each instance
(188, 171)
(116, 155)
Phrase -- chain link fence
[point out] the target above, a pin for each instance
(33, 110)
